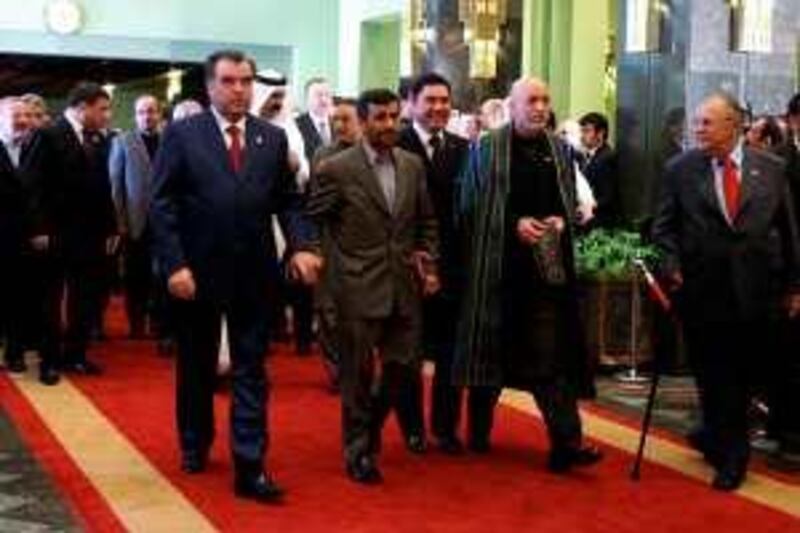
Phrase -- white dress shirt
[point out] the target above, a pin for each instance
(323, 127)
(13, 148)
(77, 126)
(425, 137)
(737, 155)
(224, 124)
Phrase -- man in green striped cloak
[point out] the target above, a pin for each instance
(519, 326)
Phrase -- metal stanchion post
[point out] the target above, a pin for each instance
(632, 375)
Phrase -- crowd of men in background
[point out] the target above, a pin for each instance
(391, 225)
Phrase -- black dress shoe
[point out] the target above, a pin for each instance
(261, 488)
(363, 470)
(450, 445)
(563, 459)
(416, 444)
(85, 367)
(728, 479)
(16, 366)
(194, 462)
(48, 375)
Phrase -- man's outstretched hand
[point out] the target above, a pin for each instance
(305, 267)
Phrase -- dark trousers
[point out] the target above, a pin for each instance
(786, 393)
(366, 398)
(72, 279)
(557, 399)
(197, 328)
(301, 298)
(13, 290)
(720, 355)
(138, 282)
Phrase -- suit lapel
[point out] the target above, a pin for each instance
(253, 140)
(370, 181)
(139, 148)
(401, 181)
(707, 187)
(71, 138)
(5, 160)
(750, 182)
(217, 141)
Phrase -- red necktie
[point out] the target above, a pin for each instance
(235, 149)
(730, 184)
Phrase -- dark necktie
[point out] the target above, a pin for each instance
(235, 149)
(730, 184)
(437, 153)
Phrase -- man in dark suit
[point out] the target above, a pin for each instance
(14, 129)
(219, 176)
(131, 173)
(316, 130)
(315, 123)
(74, 223)
(373, 203)
(728, 237)
(786, 374)
(443, 155)
(599, 165)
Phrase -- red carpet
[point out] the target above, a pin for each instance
(505, 491)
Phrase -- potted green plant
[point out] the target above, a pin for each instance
(604, 263)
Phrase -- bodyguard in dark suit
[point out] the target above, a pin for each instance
(316, 129)
(729, 241)
(786, 396)
(14, 192)
(315, 124)
(131, 173)
(74, 223)
(443, 155)
(599, 165)
(219, 176)
(372, 201)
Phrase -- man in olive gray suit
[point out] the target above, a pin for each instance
(131, 173)
(371, 200)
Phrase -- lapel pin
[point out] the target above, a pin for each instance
(259, 140)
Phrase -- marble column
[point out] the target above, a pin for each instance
(658, 90)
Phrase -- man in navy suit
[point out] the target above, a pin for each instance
(727, 233)
(218, 177)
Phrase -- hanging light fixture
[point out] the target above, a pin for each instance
(751, 25)
(421, 34)
(482, 20)
(644, 25)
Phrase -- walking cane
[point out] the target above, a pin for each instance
(658, 295)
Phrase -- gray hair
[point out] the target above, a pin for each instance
(731, 102)
(185, 109)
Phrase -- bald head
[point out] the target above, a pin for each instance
(530, 106)
(718, 124)
(148, 113)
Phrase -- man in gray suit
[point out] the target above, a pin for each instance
(727, 233)
(131, 173)
(371, 201)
